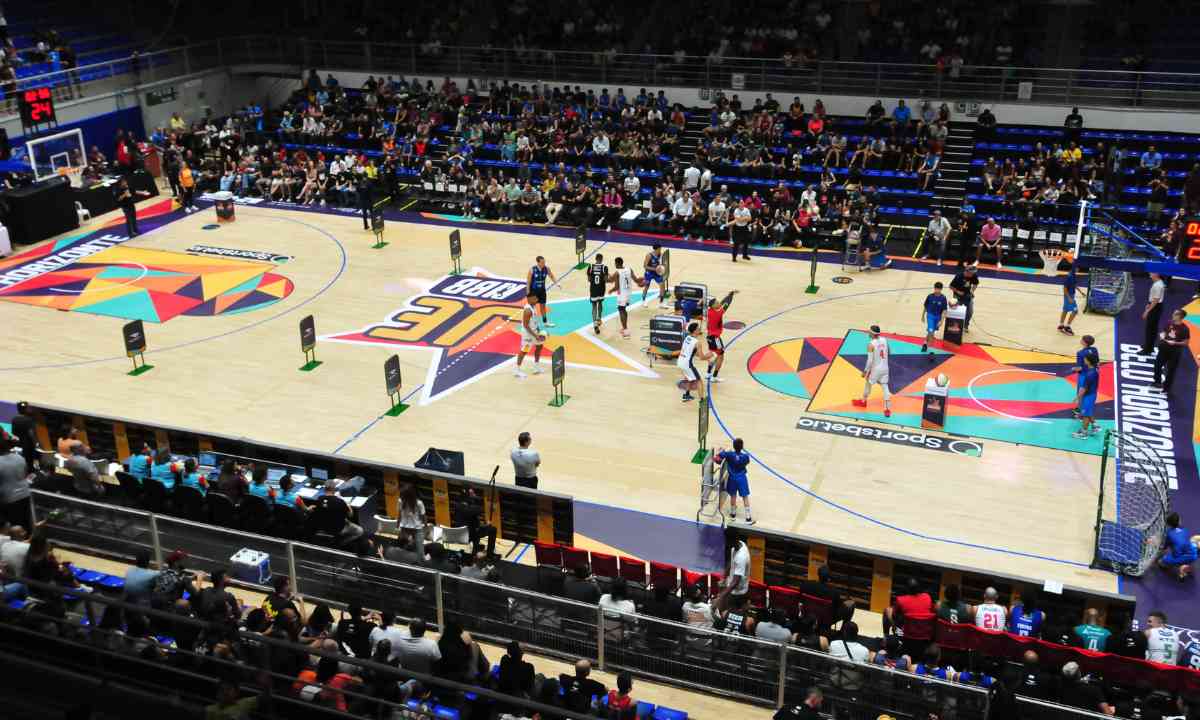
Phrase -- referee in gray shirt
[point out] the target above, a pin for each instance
(525, 462)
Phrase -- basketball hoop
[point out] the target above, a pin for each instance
(74, 175)
(1050, 259)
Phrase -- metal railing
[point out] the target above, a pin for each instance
(71, 636)
(983, 83)
(1051, 86)
(704, 659)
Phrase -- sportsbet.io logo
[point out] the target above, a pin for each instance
(914, 438)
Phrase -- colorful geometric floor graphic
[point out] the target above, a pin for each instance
(94, 272)
(154, 285)
(1017, 396)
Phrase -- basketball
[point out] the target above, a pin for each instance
(942, 380)
(659, 269)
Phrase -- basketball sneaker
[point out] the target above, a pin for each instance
(887, 413)
(858, 403)
(518, 374)
(1079, 434)
(537, 370)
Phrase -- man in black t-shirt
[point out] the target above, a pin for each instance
(1077, 693)
(1171, 343)
(598, 280)
(579, 689)
(1131, 643)
(964, 286)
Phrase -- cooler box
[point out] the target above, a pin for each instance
(956, 318)
(933, 408)
(251, 566)
(629, 220)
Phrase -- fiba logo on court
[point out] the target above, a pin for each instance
(470, 321)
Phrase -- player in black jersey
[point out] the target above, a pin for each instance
(598, 280)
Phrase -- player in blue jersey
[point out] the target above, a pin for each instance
(1025, 619)
(1085, 397)
(1069, 308)
(653, 271)
(736, 462)
(932, 312)
(1087, 349)
(536, 281)
(1178, 554)
(1189, 652)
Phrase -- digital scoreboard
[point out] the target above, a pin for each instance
(1190, 252)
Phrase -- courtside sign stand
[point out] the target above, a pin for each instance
(135, 346)
(558, 370)
(701, 431)
(666, 264)
(812, 273)
(580, 246)
(391, 379)
(455, 253)
(308, 344)
(377, 224)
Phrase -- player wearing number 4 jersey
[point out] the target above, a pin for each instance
(536, 281)
(876, 371)
(623, 282)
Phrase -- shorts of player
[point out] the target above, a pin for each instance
(541, 295)
(1175, 559)
(623, 300)
(528, 343)
(738, 485)
(932, 322)
(716, 344)
(1069, 305)
(1087, 405)
(653, 276)
(689, 372)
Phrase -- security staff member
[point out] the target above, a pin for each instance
(362, 186)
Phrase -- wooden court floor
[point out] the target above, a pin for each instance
(623, 438)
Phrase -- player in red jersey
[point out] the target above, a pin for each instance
(715, 322)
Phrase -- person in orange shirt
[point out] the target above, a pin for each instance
(188, 184)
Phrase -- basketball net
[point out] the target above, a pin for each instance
(74, 175)
(1050, 260)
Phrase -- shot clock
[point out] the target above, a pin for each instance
(1191, 241)
(37, 106)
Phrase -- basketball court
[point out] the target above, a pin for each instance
(1004, 487)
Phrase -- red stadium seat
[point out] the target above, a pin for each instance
(573, 557)
(714, 583)
(785, 599)
(548, 554)
(663, 575)
(758, 594)
(604, 565)
(919, 627)
(633, 570)
(691, 579)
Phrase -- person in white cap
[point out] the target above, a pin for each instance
(876, 371)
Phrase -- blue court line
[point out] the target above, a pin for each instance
(191, 343)
(585, 257)
(521, 554)
(843, 508)
(371, 424)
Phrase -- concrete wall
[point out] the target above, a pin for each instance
(1023, 113)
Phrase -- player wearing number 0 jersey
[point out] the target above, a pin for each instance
(623, 281)
(598, 279)
(990, 615)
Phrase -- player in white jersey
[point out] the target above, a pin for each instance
(623, 282)
(990, 615)
(876, 371)
(533, 335)
(1162, 643)
(691, 350)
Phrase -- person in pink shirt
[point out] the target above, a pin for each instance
(989, 239)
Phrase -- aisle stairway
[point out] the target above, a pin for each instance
(951, 186)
